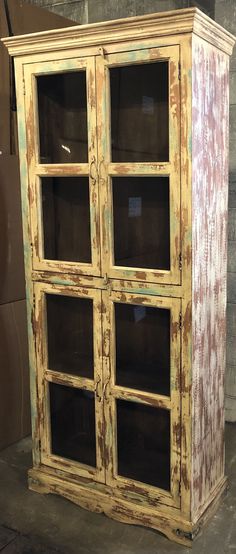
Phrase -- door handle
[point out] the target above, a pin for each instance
(104, 392)
(98, 390)
(93, 171)
(102, 171)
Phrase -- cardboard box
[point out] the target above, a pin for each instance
(24, 18)
(12, 285)
(14, 374)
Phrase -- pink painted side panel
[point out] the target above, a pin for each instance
(209, 246)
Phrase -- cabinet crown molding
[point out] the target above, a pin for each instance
(177, 22)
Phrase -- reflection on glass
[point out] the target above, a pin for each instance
(62, 109)
(141, 222)
(66, 219)
(143, 438)
(73, 424)
(70, 335)
(139, 112)
(143, 348)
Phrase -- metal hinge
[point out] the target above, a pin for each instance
(23, 86)
(180, 261)
(102, 52)
(107, 282)
(180, 321)
(179, 71)
(184, 534)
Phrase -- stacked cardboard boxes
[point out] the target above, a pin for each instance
(16, 18)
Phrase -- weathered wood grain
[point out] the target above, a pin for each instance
(209, 265)
(174, 526)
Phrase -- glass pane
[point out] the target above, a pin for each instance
(139, 113)
(73, 424)
(70, 335)
(66, 219)
(62, 112)
(141, 222)
(143, 348)
(143, 439)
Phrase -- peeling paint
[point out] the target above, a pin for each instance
(210, 193)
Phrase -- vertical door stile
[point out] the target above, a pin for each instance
(106, 397)
(93, 165)
(103, 136)
(40, 330)
(32, 145)
(102, 148)
(175, 399)
(96, 238)
(174, 109)
(98, 380)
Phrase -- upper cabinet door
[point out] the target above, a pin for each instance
(139, 163)
(62, 161)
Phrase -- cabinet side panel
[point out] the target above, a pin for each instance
(209, 243)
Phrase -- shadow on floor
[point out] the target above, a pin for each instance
(32, 523)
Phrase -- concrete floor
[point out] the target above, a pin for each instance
(31, 523)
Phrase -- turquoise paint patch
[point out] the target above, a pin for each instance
(58, 67)
(57, 281)
(190, 142)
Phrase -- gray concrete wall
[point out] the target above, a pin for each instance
(224, 11)
(91, 11)
(225, 14)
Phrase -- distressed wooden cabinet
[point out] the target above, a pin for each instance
(123, 130)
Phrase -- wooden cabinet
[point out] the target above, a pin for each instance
(123, 130)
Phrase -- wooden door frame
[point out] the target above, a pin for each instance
(37, 170)
(46, 376)
(172, 403)
(107, 169)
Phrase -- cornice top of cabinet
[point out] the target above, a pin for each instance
(177, 22)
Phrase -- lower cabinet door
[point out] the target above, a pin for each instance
(108, 368)
(142, 397)
(70, 380)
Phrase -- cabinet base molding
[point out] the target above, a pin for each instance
(176, 528)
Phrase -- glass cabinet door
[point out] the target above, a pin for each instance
(62, 151)
(70, 379)
(103, 149)
(142, 394)
(139, 154)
